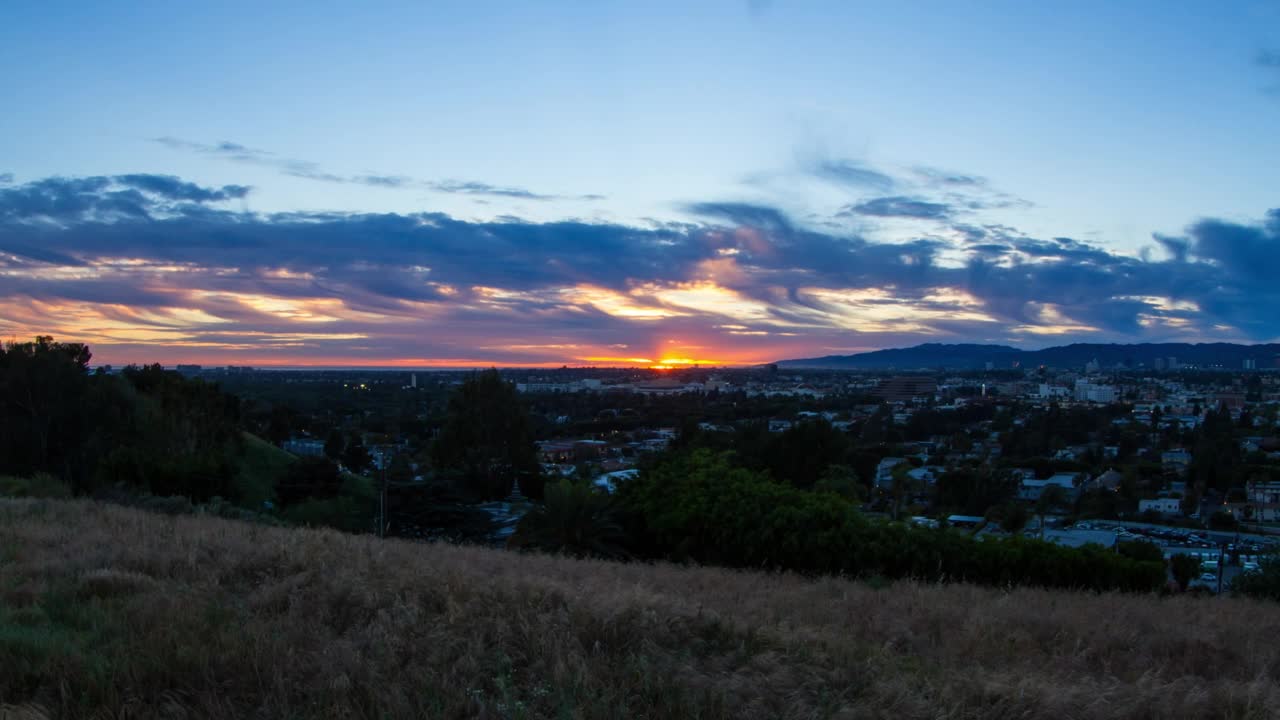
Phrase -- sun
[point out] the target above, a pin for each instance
(676, 363)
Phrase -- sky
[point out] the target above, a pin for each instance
(607, 183)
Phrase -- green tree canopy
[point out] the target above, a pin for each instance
(487, 439)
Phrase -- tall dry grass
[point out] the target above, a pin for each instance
(110, 612)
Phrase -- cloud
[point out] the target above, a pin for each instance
(6, 178)
(901, 207)
(173, 188)
(151, 263)
(934, 176)
(851, 173)
(307, 170)
(479, 188)
(103, 198)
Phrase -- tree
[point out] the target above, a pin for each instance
(973, 490)
(334, 444)
(309, 478)
(43, 385)
(1051, 498)
(803, 452)
(903, 488)
(401, 469)
(1185, 568)
(574, 519)
(841, 480)
(1262, 583)
(486, 439)
(1012, 517)
(279, 426)
(1141, 550)
(356, 457)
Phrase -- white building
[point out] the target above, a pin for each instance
(1164, 506)
(1031, 489)
(1089, 392)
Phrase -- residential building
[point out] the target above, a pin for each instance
(1030, 489)
(884, 471)
(1164, 506)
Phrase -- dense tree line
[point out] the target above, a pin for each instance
(144, 427)
(698, 505)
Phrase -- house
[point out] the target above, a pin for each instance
(1030, 489)
(1109, 480)
(1164, 506)
(927, 475)
(884, 471)
(1175, 461)
(1263, 499)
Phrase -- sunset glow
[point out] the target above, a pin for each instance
(761, 189)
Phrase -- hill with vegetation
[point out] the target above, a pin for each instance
(108, 611)
(972, 356)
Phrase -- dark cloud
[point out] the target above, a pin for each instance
(901, 207)
(104, 198)
(428, 274)
(759, 216)
(173, 188)
(849, 172)
(1178, 248)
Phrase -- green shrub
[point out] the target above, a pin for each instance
(40, 485)
(697, 506)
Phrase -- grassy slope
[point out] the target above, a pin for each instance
(261, 467)
(108, 608)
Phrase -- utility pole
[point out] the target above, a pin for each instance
(382, 504)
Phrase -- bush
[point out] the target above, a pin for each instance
(344, 513)
(1222, 520)
(1262, 583)
(573, 519)
(39, 485)
(699, 507)
(1141, 550)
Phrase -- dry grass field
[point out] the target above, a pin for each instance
(110, 612)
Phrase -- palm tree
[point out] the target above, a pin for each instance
(574, 519)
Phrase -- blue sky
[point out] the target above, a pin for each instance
(879, 123)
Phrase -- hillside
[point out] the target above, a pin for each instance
(970, 356)
(261, 465)
(109, 611)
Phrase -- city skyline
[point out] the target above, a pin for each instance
(732, 184)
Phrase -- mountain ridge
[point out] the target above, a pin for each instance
(1108, 355)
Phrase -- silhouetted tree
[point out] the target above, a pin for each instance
(487, 440)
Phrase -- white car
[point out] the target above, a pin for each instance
(1209, 578)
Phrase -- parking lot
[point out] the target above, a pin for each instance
(1222, 555)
